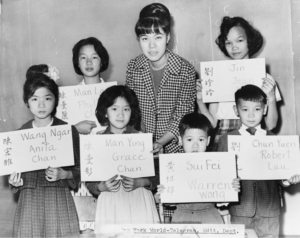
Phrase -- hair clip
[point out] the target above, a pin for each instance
(52, 73)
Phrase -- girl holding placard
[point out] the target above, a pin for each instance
(90, 58)
(45, 207)
(238, 40)
(129, 200)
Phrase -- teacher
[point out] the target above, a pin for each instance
(164, 83)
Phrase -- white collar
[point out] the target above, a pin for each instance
(34, 126)
(259, 131)
(83, 83)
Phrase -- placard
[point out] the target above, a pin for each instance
(78, 103)
(175, 230)
(266, 157)
(35, 149)
(104, 156)
(221, 79)
(198, 177)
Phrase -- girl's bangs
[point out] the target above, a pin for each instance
(149, 26)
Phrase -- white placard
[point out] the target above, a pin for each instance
(78, 103)
(197, 177)
(104, 156)
(175, 230)
(221, 79)
(266, 157)
(35, 149)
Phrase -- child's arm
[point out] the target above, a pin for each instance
(55, 174)
(213, 109)
(111, 185)
(85, 127)
(269, 86)
(201, 105)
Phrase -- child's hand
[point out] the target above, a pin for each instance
(15, 179)
(268, 87)
(157, 147)
(55, 174)
(131, 184)
(85, 127)
(236, 184)
(100, 132)
(111, 185)
(160, 190)
(294, 179)
(199, 89)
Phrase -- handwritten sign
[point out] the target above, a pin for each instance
(197, 177)
(78, 103)
(266, 157)
(221, 79)
(175, 230)
(35, 149)
(103, 156)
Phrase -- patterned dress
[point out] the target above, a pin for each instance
(47, 209)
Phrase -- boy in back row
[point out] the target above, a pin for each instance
(259, 200)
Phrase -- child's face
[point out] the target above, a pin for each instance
(118, 115)
(41, 104)
(250, 113)
(89, 61)
(194, 141)
(154, 46)
(236, 43)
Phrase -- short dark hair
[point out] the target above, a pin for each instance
(37, 81)
(153, 17)
(108, 98)
(195, 121)
(36, 70)
(251, 93)
(99, 48)
(254, 38)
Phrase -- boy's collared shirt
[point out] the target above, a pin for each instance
(259, 131)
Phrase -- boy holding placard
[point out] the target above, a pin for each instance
(194, 129)
(259, 203)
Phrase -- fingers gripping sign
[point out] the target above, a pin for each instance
(268, 87)
(15, 179)
(55, 174)
(199, 89)
(111, 185)
(131, 184)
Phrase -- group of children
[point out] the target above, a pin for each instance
(46, 207)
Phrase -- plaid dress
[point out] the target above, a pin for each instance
(47, 209)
